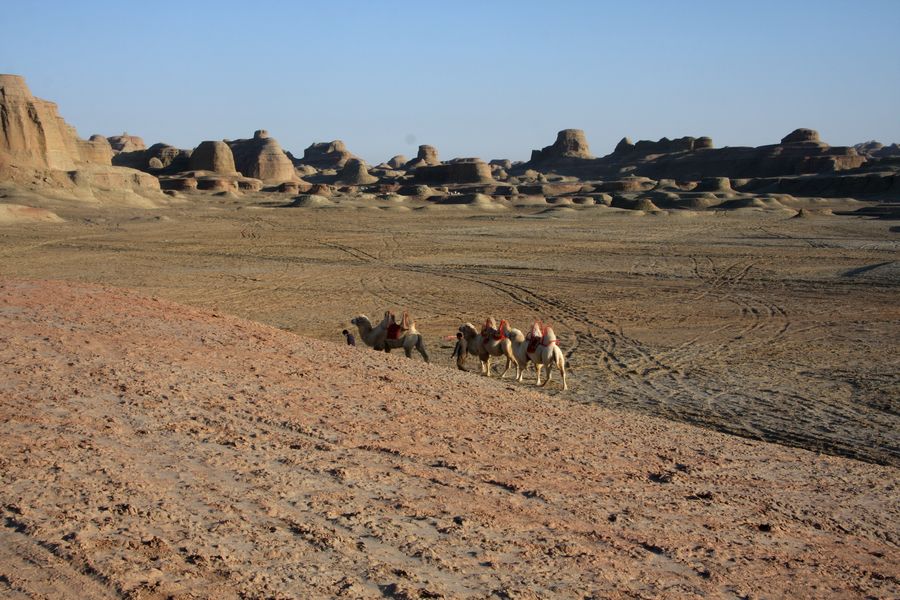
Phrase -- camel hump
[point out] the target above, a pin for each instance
(549, 337)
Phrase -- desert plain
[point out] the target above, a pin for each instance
(180, 416)
(229, 445)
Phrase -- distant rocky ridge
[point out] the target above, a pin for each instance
(37, 146)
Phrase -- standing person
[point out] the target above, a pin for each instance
(351, 341)
(457, 351)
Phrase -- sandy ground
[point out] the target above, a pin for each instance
(749, 322)
(153, 450)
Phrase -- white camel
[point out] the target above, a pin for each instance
(519, 348)
(377, 338)
(542, 348)
(485, 349)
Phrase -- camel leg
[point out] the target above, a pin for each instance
(420, 346)
(562, 369)
(510, 360)
(487, 366)
(538, 367)
(549, 374)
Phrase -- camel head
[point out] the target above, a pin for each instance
(468, 330)
(361, 321)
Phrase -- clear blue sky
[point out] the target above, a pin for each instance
(491, 79)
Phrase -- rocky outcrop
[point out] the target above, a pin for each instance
(470, 171)
(662, 146)
(96, 151)
(426, 157)
(625, 146)
(873, 149)
(262, 158)
(126, 143)
(429, 154)
(689, 158)
(33, 134)
(800, 136)
(570, 143)
(158, 157)
(213, 156)
(355, 173)
(397, 162)
(326, 155)
(37, 147)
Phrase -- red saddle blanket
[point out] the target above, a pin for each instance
(393, 331)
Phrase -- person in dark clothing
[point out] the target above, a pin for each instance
(351, 341)
(458, 349)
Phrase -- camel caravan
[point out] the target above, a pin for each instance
(539, 346)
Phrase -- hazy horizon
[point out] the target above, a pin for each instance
(491, 81)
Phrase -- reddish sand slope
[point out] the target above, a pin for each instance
(150, 450)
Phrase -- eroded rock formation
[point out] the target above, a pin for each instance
(463, 171)
(326, 155)
(213, 156)
(262, 158)
(570, 143)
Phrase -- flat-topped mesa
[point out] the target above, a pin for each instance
(262, 158)
(471, 170)
(570, 143)
(326, 155)
(426, 157)
(429, 154)
(213, 156)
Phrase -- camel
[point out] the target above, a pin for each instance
(519, 348)
(545, 353)
(475, 344)
(376, 337)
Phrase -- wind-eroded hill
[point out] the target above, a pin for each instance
(150, 450)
